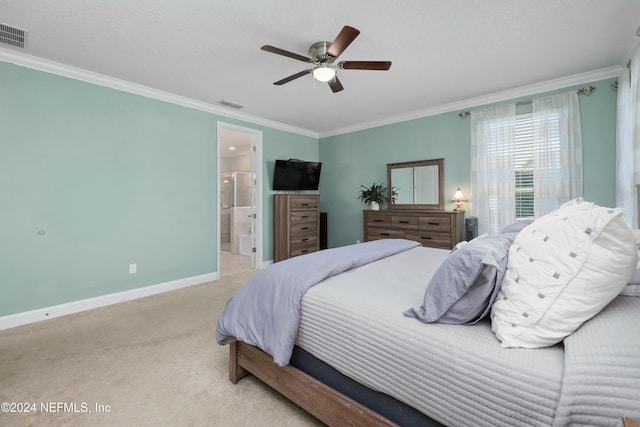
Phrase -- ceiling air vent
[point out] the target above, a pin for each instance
(12, 36)
(230, 104)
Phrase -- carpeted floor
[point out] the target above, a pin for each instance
(148, 362)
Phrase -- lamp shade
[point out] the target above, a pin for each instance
(323, 73)
(458, 197)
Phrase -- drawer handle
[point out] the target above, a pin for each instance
(304, 204)
(304, 228)
(433, 223)
(385, 234)
(304, 251)
(403, 222)
(426, 237)
(378, 220)
(304, 216)
(304, 240)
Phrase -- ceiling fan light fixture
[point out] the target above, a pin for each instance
(324, 73)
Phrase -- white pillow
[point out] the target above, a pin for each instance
(633, 288)
(562, 270)
(635, 277)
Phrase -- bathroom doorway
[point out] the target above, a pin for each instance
(240, 207)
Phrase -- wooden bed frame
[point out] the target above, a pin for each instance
(323, 402)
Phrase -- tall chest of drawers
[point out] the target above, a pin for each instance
(438, 229)
(296, 225)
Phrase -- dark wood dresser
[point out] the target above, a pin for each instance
(437, 229)
(296, 225)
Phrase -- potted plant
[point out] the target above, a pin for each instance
(373, 195)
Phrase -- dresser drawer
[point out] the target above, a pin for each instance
(433, 240)
(303, 245)
(378, 220)
(304, 217)
(303, 240)
(302, 202)
(303, 228)
(405, 222)
(433, 223)
(385, 233)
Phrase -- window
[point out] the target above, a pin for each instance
(524, 165)
(523, 159)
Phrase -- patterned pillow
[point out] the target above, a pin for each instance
(465, 285)
(561, 271)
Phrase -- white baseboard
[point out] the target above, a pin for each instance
(24, 318)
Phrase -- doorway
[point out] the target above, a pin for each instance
(240, 200)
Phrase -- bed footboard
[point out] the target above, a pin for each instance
(321, 401)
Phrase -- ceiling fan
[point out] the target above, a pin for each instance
(323, 56)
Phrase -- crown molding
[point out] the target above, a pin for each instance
(529, 90)
(41, 64)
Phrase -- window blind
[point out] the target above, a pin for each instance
(523, 167)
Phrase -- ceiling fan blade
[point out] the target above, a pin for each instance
(292, 77)
(342, 41)
(335, 84)
(365, 65)
(283, 52)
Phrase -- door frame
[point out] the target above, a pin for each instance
(256, 169)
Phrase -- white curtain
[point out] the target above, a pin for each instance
(628, 140)
(492, 159)
(557, 151)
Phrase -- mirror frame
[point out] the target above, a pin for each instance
(431, 162)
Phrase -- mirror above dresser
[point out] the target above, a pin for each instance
(416, 185)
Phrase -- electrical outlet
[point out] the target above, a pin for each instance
(357, 241)
(133, 268)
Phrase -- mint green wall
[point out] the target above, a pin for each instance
(357, 158)
(110, 178)
(113, 178)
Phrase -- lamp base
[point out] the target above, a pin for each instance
(458, 209)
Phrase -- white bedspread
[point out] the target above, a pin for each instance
(602, 368)
(457, 375)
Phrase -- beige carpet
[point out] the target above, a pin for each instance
(148, 362)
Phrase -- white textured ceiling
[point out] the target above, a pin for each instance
(442, 51)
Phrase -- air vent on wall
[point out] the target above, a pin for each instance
(12, 36)
(230, 104)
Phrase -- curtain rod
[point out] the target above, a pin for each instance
(585, 90)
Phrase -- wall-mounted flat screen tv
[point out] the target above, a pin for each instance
(295, 174)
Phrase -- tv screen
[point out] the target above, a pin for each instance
(296, 175)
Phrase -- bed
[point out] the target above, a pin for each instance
(353, 345)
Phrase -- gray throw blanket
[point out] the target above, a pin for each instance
(265, 311)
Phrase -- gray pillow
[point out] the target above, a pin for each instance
(466, 284)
